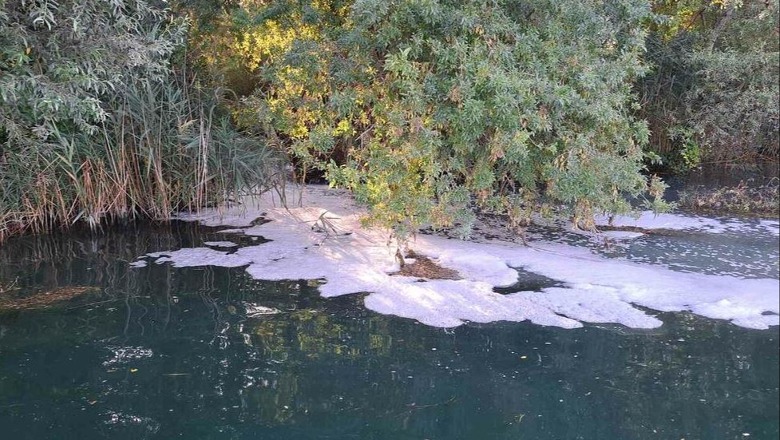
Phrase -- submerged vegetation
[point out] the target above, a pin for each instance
(428, 110)
(44, 299)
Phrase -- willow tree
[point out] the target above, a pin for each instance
(430, 109)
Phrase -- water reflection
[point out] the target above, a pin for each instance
(158, 352)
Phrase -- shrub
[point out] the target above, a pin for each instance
(715, 81)
(429, 109)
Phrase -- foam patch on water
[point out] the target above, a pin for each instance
(621, 235)
(224, 244)
(770, 226)
(650, 220)
(147, 425)
(324, 239)
(685, 222)
(237, 217)
(231, 231)
(256, 310)
(200, 256)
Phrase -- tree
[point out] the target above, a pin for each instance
(430, 109)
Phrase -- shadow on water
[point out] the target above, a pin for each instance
(529, 282)
(159, 353)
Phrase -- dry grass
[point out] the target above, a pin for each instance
(162, 149)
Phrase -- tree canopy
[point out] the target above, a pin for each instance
(429, 109)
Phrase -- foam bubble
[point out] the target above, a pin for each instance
(200, 256)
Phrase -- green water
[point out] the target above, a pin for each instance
(162, 353)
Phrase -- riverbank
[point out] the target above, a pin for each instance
(746, 200)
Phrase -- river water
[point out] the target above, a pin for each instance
(93, 348)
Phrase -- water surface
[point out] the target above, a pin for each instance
(160, 353)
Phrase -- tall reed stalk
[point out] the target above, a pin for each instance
(162, 148)
(97, 123)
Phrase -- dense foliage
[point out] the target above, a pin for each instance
(714, 93)
(96, 124)
(429, 109)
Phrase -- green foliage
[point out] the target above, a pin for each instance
(429, 109)
(716, 76)
(735, 104)
(689, 151)
(97, 125)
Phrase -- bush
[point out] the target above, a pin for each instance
(429, 109)
(715, 82)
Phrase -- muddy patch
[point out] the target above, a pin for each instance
(424, 268)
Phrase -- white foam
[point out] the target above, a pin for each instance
(621, 235)
(223, 244)
(125, 355)
(256, 310)
(686, 222)
(771, 226)
(355, 259)
(200, 256)
(650, 220)
(236, 217)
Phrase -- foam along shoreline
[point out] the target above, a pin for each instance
(324, 239)
(648, 220)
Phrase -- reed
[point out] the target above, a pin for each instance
(101, 121)
(164, 147)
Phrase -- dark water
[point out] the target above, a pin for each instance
(160, 353)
